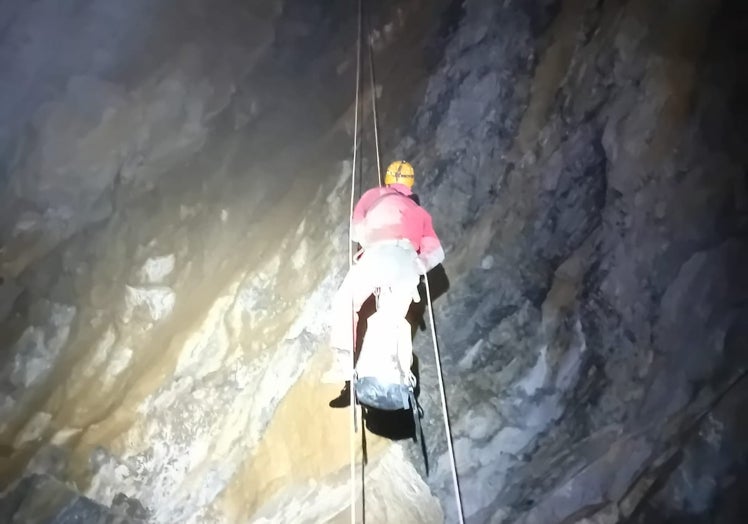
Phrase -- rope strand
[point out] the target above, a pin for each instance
(350, 265)
(355, 137)
(445, 412)
(373, 90)
(352, 398)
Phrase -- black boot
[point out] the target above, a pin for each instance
(344, 399)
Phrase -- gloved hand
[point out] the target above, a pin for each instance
(431, 254)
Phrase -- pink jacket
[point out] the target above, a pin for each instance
(387, 213)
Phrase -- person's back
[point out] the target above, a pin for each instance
(390, 213)
(399, 245)
(394, 216)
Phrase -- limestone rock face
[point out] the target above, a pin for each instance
(594, 264)
(107, 117)
(175, 184)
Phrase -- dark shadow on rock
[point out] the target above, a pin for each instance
(394, 425)
(438, 285)
(400, 424)
(438, 281)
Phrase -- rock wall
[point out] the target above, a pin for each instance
(581, 160)
(128, 96)
(171, 231)
(174, 182)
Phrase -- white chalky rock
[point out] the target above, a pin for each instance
(156, 269)
(158, 301)
(38, 348)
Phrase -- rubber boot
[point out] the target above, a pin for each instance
(344, 399)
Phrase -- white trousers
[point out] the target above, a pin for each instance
(392, 268)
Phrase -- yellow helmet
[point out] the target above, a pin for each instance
(399, 172)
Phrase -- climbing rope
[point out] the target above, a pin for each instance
(373, 91)
(445, 412)
(355, 135)
(351, 389)
(352, 398)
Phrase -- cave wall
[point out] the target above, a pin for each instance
(583, 162)
(173, 188)
(173, 192)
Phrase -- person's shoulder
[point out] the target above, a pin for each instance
(375, 191)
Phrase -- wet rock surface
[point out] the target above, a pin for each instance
(173, 228)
